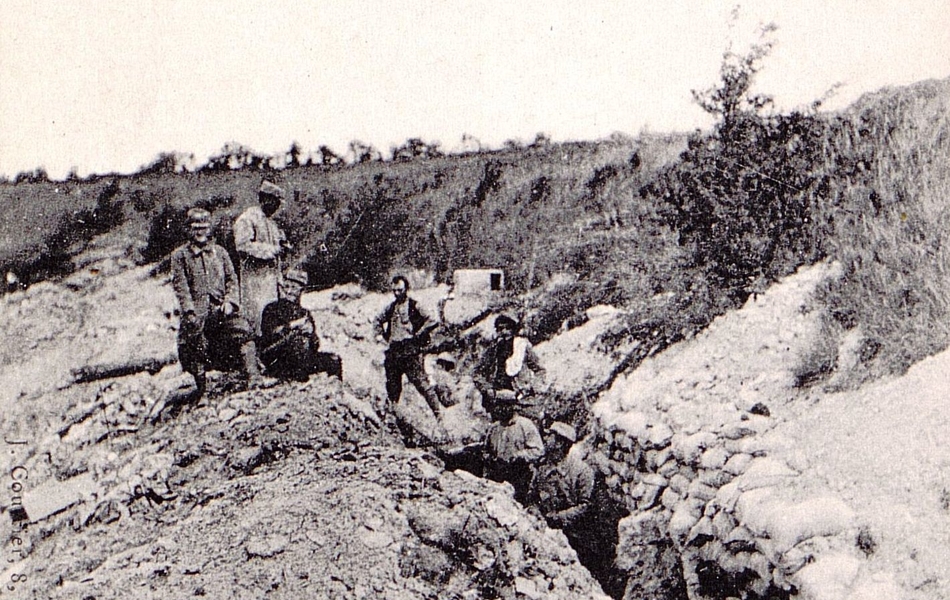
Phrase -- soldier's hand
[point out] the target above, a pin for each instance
(190, 320)
(227, 309)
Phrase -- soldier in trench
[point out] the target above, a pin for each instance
(406, 327)
(563, 491)
(509, 368)
(513, 447)
(261, 245)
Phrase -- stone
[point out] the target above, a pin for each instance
(669, 468)
(763, 472)
(829, 576)
(791, 561)
(821, 516)
(703, 527)
(688, 449)
(659, 435)
(712, 551)
(698, 489)
(635, 424)
(679, 484)
(52, 496)
(375, 539)
(648, 499)
(723, 524)
(714, 477)
(267, 546)
(713, 458)
(728, 495)
(527, 588)
(654, 479)
(736, 431)
(737, 464)
(669, 499)
(682, 521)
(656, 458)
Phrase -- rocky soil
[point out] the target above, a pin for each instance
(740, 475)
(114, 490)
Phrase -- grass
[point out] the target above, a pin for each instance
(590, 214)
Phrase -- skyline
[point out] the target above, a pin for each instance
(109, 89)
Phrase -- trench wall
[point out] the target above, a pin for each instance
(687, 443)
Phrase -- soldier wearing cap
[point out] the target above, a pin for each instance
(564, 486)
(212, 329)
(289, 342)
(509, 368)
(512, 447)
(260, 245)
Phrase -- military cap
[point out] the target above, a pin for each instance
(297, 275)
(199, 216)
(271, 189)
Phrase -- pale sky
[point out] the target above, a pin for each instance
(105, 86)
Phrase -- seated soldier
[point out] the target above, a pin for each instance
(289, 343)
(512, 447)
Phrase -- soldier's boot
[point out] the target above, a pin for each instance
(252, 370)
(201, 384)
(433, 400)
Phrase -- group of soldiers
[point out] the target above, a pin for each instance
(247, 319)
(250, 320)
(544, 471)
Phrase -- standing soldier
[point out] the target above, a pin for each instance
(509, 368)
(260, 244)
(407, 328)
(206, 287)
(565, 484)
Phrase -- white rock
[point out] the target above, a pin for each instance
(829, 577)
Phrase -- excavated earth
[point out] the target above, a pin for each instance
(735, 472)
(114, 489)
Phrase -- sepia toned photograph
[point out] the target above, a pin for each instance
(464, 300)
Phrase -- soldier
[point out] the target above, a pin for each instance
(509, 368)
(407, 328)
(260, 244)
(289, 342)
(565, 484)
(211, 325)
(512, 447)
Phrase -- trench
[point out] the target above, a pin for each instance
(649, 532)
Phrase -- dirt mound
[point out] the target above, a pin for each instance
(300, 490)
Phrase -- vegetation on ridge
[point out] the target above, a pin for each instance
(675, 229)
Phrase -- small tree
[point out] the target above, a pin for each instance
(328, 157)
(294, 155)
(739, 198)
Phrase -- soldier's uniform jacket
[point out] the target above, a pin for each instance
(568, 484)
(203, 277)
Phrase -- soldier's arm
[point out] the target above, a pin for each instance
(231, 293)
(180, 285)
(379, 324)
(533, 445)
(428, 323)
(244, 240)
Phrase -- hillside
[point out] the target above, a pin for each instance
(757, 397)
